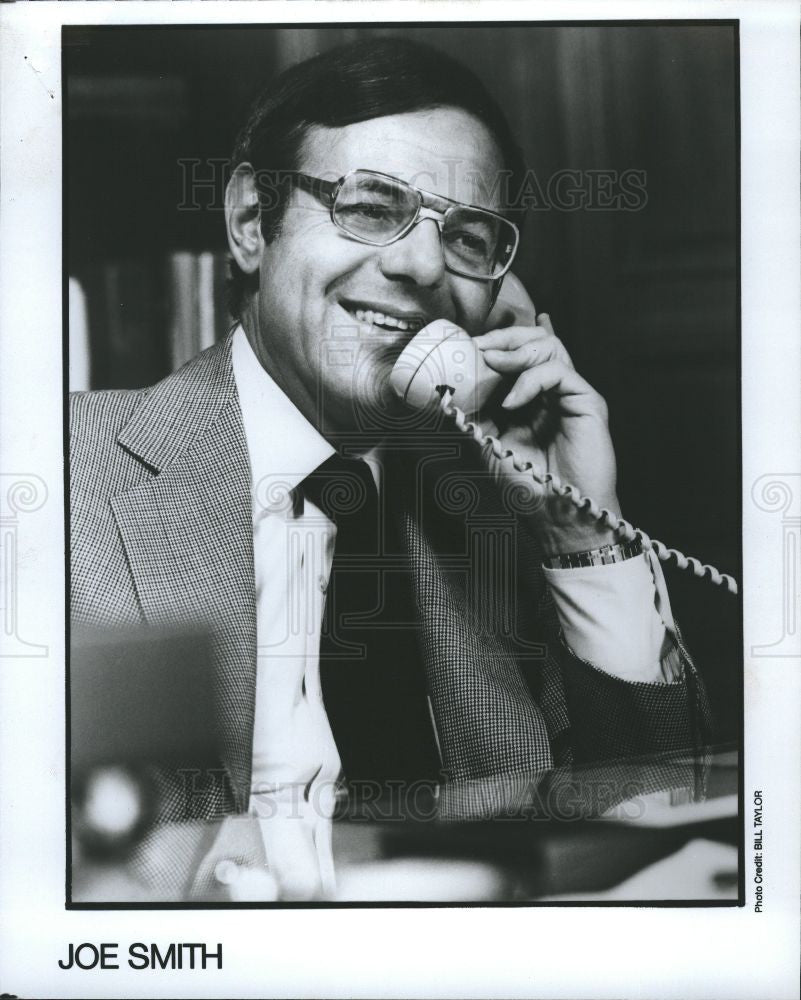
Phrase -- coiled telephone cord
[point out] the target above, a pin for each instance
(587, 504)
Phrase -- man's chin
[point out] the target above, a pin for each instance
(368, 406)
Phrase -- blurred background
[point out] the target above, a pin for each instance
(646, 301)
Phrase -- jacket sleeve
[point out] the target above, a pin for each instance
(593, 715)
(610, 717)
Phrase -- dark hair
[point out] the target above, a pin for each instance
(352, 83)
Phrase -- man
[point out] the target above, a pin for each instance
(364, 204)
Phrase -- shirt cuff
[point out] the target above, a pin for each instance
(610, 617)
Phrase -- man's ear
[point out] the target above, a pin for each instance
(243, 219)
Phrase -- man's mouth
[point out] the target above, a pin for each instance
(386, 320)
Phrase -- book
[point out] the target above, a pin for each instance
(198, 312)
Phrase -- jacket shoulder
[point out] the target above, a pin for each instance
(95, 422)
(98, 412)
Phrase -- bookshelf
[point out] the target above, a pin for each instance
(134, 320)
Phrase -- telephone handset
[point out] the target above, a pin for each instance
(441, 366)
(442, 353)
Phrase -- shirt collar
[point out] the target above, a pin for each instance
(283, 446)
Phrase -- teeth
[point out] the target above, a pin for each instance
(381, 319)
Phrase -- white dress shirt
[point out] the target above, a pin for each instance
(617, 617)
(295, 759)
(610, 616)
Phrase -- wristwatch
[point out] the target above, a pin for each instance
(613, 553)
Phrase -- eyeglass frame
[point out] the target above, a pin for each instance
(329, 190)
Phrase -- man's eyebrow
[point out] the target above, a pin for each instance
(375, 183)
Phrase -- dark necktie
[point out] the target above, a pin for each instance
(370, 667)
(344, 490)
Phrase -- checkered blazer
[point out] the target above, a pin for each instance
(161, 534)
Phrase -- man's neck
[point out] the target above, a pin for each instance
(349, 440)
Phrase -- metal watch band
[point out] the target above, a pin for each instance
(613, 553)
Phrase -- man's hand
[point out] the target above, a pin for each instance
(552, 418)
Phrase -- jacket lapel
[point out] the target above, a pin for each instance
(487, 721)
(187, 533)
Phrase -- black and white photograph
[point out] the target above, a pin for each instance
(365, 419)
(405, 470)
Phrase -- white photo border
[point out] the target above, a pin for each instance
(548, 952)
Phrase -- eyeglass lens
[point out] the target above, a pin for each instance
(378, 209)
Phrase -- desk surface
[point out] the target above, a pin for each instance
(567, 831)
(640, 829)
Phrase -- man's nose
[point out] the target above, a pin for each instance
(417, 257)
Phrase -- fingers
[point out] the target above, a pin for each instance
(517, 360)
(519, 347)
(513, 306)
(545, 320)
(509, 337)
(576, 395)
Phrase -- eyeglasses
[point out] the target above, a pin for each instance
(379, 209)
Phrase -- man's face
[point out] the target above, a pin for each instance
(314, 327)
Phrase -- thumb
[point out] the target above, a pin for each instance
(513, 306)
